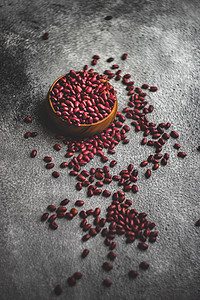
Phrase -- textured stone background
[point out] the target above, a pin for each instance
(162, 40)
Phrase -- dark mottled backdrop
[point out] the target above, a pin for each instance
(162, 40)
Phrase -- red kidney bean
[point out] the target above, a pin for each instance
(152, 239)
(97, 192)
(69, 154)
(96, 57)
(96, 221)
(161, 141)
(33, 153)
(99, 183)
(158, 156)
(52, 218)
(98, 228)
(92, 232)
(112, 246)
(107, 282)
(90, 193)
(124, 56)
(155, 166)
(127, 188)
(104, 232)
(166, 156)
(165, 136)
(110, 59)
(63, 164)
(85, 253)
(51, 207)
(197, 224)
(150, 158)
(115, 67)
(86, 227)
(91, 179)
(80, 177)
(182, 154)
(132, 274)
(102, 222)
(167, 126)
(47, 159)
(144, 163)
(135, 173)
(107, 266)
(86, 237)
(163, 162)
(152, 225)
(112, 255)
(134, 188)
(78, 275)
(79, 186)
(49, 166)
(177, 146)
(27, 134)
(46, 36)
(148, 173)
(106, 193)
(58, 290)
(57, 147)
(108, 18)
(74, 211)
(61, 209)
(44, 217)
(99, 176)
(155, 161)
(33, 134)
(107, 180)
(85, 173)
(113, 163)
(107, 241)
(71, 281)
(174, 134)
(83, 223)
(69, 216)
(144, 141)
(83, 214)
(79, 203)
(145, 86)
(142, 246)
(144, 265)
(128, 202)
(64, 202)
(61, 214)
(55, 174)
(130, 239)
(153, 89)
(154, 233)
(53, 225)
(97, 212)
(94, 62)
(92, 171)
(104, 159)
(27, 120)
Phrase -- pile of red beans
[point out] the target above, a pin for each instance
(84, 98)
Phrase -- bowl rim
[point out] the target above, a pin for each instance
(81, 125)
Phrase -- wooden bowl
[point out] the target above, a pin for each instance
(84, 129)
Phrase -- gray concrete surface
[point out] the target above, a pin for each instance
(162, 40)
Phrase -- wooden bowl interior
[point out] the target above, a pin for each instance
(84, 129)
